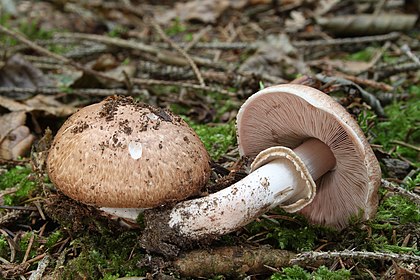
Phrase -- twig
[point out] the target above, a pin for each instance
(20, 208)
(138, 81)
(391, 70)
(299, 44)
(403, 192)
(42, 265)
(58, 57)
(406, 49)
(401, 143)
(162, 55)
(304, 257)
(379, 6)
(366, 82)
(11, 162)
(78, 91)
(366, 96)
(197, 38)
(348, 41)
(37, 258)
(162, 34)
(28, 249)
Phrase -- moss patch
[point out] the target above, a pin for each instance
(403, 125)
(17, 177)
(217, 139)
(296, 272)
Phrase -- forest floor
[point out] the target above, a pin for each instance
(202, 60)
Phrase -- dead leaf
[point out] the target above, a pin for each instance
(39, 103)
(15, 137)
(19, 73)
(13, 105)
(49, 104)
(272, 57)
(207, 11)
(105, 62)
(296, 22)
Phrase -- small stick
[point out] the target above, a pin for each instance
(139, 81)
(42, 265)
(304, 257)
(28, 250)
(299, 44)
(366, 96)
(348, 41)
(77, 91)
(366, 82)
(401, 143)
(394, 69)
(162, 34)
(406, 49)
(21, 38)
(37, 258)
(410, 195)
(197, 38)
(135, 45)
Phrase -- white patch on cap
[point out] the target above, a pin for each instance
(135, 149)
(152, 117)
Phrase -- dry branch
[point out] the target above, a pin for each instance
(137, 81)
(178, 49)
(311, 256)
(399, 190)
(369, 98)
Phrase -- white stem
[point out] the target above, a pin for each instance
(277, 182)
(125, 213)
(237, 205)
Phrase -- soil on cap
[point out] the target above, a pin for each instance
(112, 104)
(79, 127)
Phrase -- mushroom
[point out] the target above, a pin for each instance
(310, 156)
(120, 155)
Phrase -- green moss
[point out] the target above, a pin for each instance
(117, 31)
(24, 243)
(217, 139)
(32, 31)
(363, 55)
(397, 209)
(403, 125)
(53, 238)
(104, 256)
(175, 27)
(365, 120)
(17, 177)
(412, 183)
(4, 247)
(291, 232)
(296, 272)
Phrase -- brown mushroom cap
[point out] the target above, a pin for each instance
(122, 154)
(287, 115)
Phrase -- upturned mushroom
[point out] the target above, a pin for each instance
(310, 156)
(120, 155)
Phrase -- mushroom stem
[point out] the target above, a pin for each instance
(317, 156)
(278, 182)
